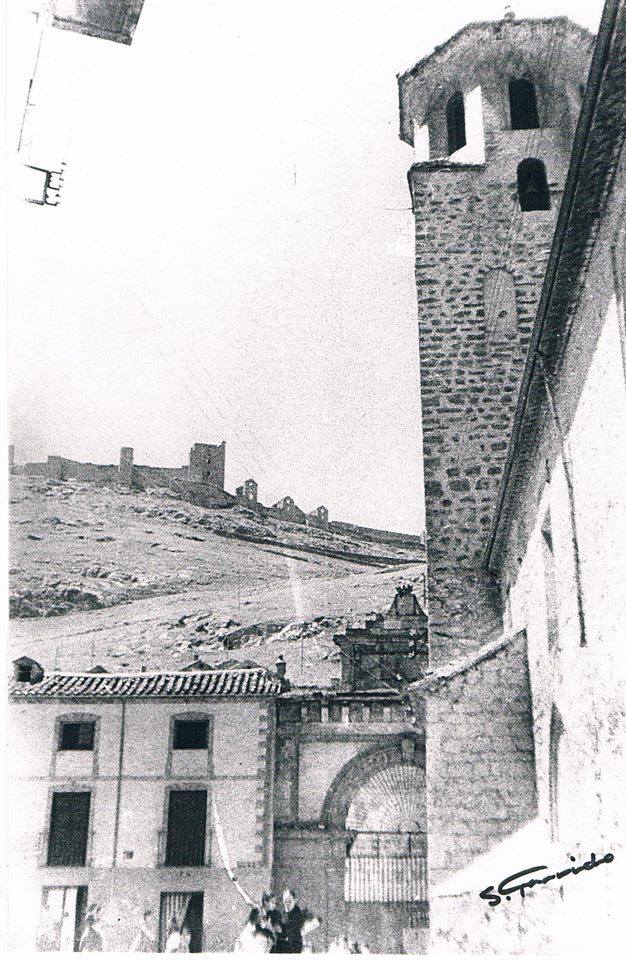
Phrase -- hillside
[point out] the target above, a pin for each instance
(102, 575)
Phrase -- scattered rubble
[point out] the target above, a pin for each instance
(68, 536)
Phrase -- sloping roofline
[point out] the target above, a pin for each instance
(455, 668)
(587, 187)
(481, 24)
(162, 684)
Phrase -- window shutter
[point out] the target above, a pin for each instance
(69, 829)
(186, 828)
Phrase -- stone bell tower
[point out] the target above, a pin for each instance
(491, 114)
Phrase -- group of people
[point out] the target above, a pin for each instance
(271, 930)
(268, 929)
(344, 945)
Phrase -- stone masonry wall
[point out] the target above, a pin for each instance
(575, 676)
(479, 757)
(480, 763)
(469, 382)
(322, 759)
(207, 463)
(474, 324)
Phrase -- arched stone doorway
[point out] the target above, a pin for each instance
(377, 881)
(358, 772)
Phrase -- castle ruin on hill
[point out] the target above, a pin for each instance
(201, 481)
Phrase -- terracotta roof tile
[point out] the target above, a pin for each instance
(206, 683)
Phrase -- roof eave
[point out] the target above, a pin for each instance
(566, 229)
(419, 66)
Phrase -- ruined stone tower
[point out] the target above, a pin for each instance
(491, 115)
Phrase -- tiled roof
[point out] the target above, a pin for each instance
(205, 683)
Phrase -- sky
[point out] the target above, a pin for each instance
(232, 257)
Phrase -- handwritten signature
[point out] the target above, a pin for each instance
(508, 886)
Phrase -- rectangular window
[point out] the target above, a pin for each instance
(289, 713)
(186, 828)
(77, 736)
(69, 829)
(314, 712)
(550, 583)
(190, 735)
(355, 712)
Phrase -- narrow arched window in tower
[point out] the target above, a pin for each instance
(500, 305)
(523, 102)
(532, 185)
(455, 120)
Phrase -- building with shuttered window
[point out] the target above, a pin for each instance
(116, 784)
(135, 792)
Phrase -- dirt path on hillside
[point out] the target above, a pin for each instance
(296, 618)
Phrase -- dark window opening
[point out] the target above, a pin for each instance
(314, 713)
(550, 584)
(455, 120)
(190, 735)
(335, 712)
(532, 185)
(523, 103)
(289, 713)
(77, 736)
(186, 828)
(355, 712)
(69, 829)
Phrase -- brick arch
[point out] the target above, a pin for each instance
(403, 750)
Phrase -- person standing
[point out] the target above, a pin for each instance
(254, 938)
(144, 942)
(172, 944)
(270, 918)
(92, 940)
(185, 940)
(295, 923)
(49, 932)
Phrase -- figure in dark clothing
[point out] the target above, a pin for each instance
(295, 924)
(270, 918)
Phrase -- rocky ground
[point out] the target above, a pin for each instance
(132, 580)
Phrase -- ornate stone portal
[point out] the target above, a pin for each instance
(349, 798)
